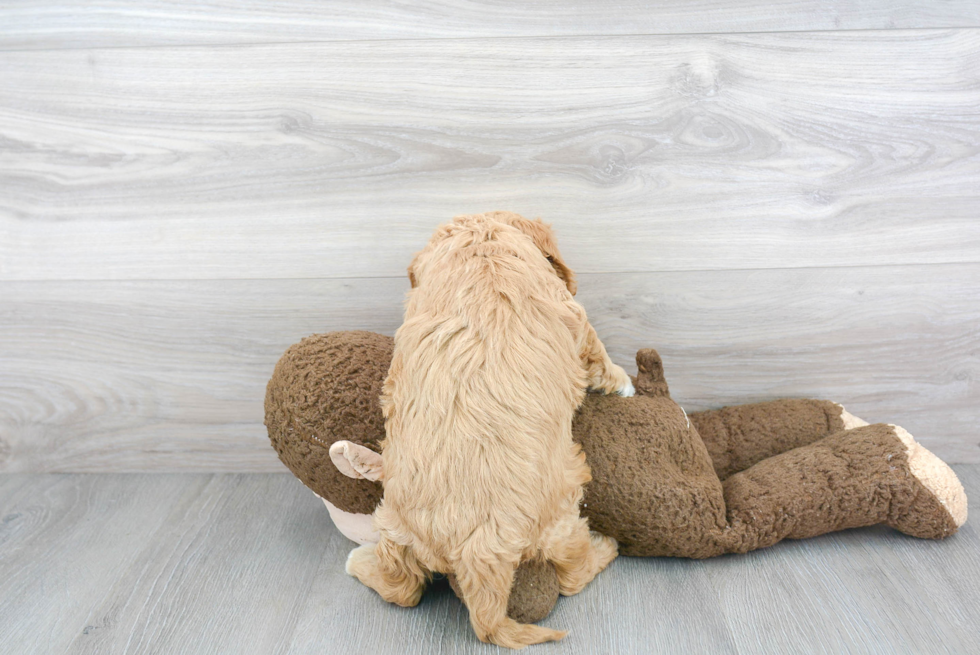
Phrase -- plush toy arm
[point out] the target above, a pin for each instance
(650, 379)
(742, 435)
(533, 593)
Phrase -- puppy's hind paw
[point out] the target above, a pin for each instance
(361, 562)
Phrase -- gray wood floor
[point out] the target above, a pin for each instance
(225, 563)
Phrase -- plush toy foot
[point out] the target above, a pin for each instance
(939, 507)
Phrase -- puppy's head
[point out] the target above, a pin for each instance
(540, 233)
(544, 238)
(440, 237)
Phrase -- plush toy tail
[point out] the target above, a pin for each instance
(485, 586)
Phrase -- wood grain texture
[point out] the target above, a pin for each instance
(251, 564)
(159, 375)
(171, 375)
(328, 160)
(859, 591)
(231, 574)
(62, 539)
(27, 24)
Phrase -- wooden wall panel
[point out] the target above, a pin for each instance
(170, 375)
(326, 160)
(45, 24)
(783, 198)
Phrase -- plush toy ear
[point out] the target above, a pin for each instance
(544, 239)
(356, 461)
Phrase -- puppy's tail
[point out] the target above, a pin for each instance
(485, 586)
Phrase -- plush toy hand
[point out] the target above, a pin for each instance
(356, 461)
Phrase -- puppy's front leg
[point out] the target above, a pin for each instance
(601, 373)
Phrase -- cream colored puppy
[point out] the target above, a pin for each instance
(480, 471)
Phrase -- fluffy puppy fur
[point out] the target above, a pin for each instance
(480, 470)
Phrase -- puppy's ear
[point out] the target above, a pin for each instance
(565, 273)
(544, 239)
(356, 461)
(412, 278)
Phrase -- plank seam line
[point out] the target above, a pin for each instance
(963, 28)
(401, 276)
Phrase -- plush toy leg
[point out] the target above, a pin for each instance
(738, 437)
(864, 476)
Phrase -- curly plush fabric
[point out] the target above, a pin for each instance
(327, 388)
(738, 437)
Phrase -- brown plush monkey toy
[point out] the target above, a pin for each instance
(663, 483)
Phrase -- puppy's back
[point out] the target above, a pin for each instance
(483, 385)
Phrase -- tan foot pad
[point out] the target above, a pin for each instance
(850, 420)
(943, 509)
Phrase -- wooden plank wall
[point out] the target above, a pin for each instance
(783, 198)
